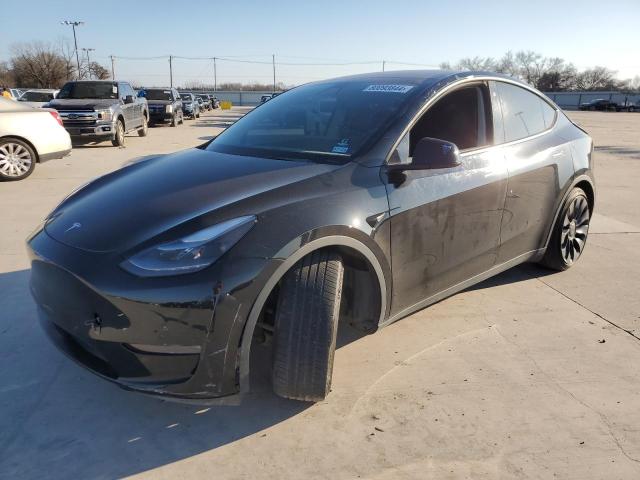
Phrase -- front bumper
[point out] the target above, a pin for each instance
(157, 114)
(173, 336)
(99, 131)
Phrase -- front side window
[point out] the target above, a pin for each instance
(461, 117)
(330, 121)
(524, 113)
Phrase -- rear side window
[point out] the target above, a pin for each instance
(524, 113)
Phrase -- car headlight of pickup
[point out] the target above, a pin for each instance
(104, 115)
(191, 253)
(169, 108)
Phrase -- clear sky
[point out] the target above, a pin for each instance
(586, 32)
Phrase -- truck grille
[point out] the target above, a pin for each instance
(78, 117)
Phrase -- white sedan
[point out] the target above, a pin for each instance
(38, 97)
(27, 136)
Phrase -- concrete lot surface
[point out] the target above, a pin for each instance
(528, 375)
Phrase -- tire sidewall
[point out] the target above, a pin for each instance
(553, 256)
(32, 153)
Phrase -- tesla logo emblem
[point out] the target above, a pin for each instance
(73, 227)
(72, 116)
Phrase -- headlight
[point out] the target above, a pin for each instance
(104, 114)
(169, 108)
(191, 253)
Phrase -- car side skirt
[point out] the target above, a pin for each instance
(525, 257)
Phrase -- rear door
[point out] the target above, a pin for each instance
(445, 223)
(536, 160)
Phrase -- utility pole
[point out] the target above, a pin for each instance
(87, 50)
(113, 70)
(74, 24)
(273, 61)
(171, 71)
(383, 62)
(215, 75)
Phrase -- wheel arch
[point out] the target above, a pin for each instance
(22, 139)
(585, 182)
(352, 249)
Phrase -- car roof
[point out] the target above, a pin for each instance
(425, 78)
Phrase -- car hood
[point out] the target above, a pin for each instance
(136, 203)
(82, 104)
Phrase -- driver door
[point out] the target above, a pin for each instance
(445, 222)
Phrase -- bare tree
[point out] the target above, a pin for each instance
(38, 64)
(597, 78)
(98, 71)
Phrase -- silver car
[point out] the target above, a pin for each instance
(27, 136)
(38, 97)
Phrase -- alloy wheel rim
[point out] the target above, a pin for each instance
(575, 227)
(15, 160)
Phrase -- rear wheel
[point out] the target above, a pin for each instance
(118, 140)
(306, 326)
(570, 232)
(17, 159)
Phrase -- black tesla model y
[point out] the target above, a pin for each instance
(359, 199)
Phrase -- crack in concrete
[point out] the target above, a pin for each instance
(630, 332)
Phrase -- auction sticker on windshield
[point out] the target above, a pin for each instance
(388, 88)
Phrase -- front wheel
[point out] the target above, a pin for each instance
(142, 131)
(118, 140)
(17, 159)
(569, 235)
(306, 325)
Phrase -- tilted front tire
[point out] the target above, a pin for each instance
(142, 131)
(306, 327)
(569, 236)
(118, 140)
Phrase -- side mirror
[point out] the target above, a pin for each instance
(431, 153)
(128, 99)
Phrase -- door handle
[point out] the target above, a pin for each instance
(510, 194)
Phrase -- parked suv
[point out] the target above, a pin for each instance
(165, 105)
(206, 102)
(101, 110)
(190, 105)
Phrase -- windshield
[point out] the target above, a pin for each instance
(186, 96)
(36, 97)
(158, 94)
(95, 90)
(327, 121)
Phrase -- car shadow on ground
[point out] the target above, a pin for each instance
(60, 421)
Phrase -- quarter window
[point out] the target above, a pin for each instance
(524, 113)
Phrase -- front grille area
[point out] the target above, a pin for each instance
(78, 118)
